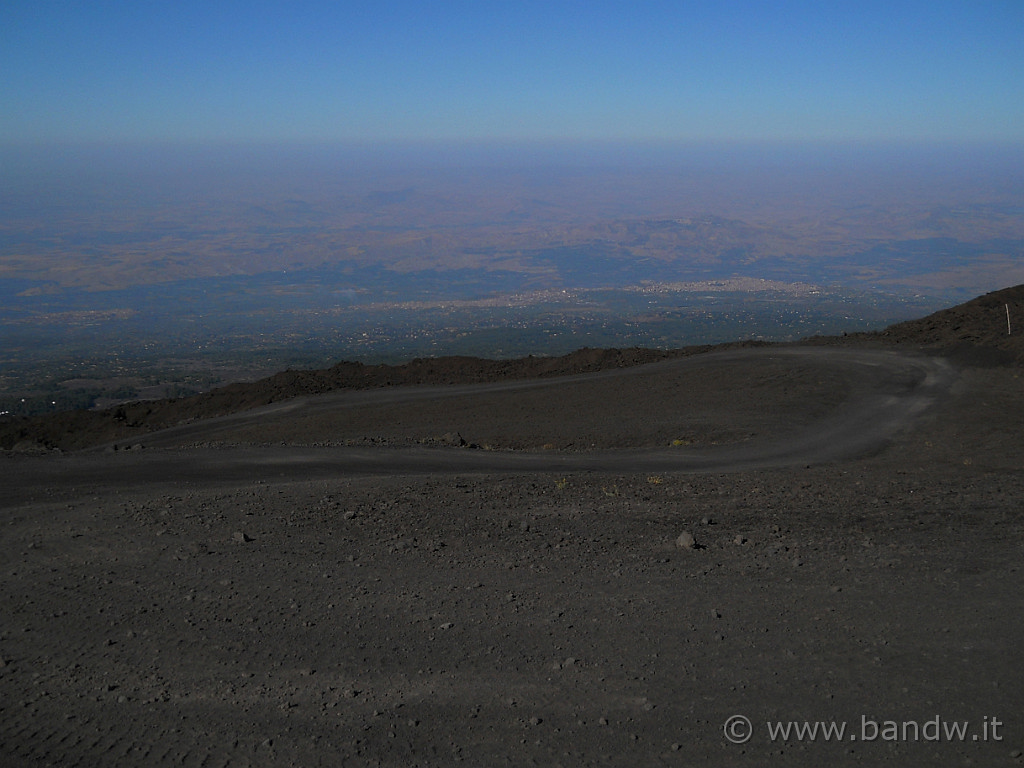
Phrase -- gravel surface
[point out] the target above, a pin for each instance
(272, 615)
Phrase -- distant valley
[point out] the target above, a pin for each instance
(146, 275)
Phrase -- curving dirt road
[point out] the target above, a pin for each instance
(883, 393)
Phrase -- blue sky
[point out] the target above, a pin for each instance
(633, 70)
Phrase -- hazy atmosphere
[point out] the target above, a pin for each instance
(565, 383)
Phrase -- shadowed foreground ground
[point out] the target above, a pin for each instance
(274, 616)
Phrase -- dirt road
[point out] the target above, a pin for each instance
(882, 393)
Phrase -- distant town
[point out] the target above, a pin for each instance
(103, 357)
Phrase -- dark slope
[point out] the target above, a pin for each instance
(980, 324)
(972, 333)
(79, 429)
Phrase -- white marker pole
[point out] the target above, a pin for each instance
(1007, 319)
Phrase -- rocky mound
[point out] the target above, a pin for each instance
(976, 330)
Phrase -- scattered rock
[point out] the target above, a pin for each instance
(453, 439)
(241, 537)
(30, 448)
(686, 541)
